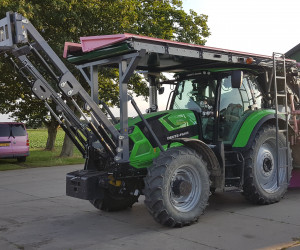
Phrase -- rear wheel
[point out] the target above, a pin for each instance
(260, 175)
(177, 187)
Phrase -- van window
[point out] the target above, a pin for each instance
(18, 130)
(4, 130)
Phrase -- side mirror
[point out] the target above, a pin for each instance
(236, 79)
(161, 90)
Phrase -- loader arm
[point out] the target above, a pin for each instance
(53, 83)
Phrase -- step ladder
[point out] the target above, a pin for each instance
(280, 89)
(234, 171)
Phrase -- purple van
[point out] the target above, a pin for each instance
(14, 142)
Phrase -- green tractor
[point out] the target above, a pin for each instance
(229, 124)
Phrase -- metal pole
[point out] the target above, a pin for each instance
(94, 83)
(123, 149)
(147, 125)
(276, 116)
(152, 93)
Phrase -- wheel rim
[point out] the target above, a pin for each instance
(266, 172)
(185, 188)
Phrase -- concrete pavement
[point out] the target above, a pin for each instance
(36, 214)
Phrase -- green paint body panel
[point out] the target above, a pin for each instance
(142, 152)
(178, 119)
(248, 126)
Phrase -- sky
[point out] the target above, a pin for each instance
(256, 26)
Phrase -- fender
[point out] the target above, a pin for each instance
(268, 119)
(209, 156)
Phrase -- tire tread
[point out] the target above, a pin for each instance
(250, 189)
(153, 188)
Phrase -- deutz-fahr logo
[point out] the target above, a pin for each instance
(178, 135)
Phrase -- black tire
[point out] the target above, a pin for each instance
(21, 159)
(260, 175)
(112, 202)
(177, 187)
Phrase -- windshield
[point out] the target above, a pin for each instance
(198, 93)
(18, 130)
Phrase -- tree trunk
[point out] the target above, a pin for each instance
(67, 148)
(52, 132)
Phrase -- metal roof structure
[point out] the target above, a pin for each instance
(161, 54)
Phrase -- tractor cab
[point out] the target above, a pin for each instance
(221, 103)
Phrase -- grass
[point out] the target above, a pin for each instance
(38, 138)
(38, 156)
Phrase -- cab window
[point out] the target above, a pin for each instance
(235, 104)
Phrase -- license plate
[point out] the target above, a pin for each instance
(4, 144)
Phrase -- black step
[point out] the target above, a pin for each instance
(232, 178)
(231, 164)
(282, 130)
(233, 189)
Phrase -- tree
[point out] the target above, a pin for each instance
(67, 20)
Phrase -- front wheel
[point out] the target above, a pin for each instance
(260, 175)
(177, 187)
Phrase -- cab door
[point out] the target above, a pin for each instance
(236, 104)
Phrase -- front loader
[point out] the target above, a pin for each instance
(229, 124)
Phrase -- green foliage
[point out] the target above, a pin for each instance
(66, 20)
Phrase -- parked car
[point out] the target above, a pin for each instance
(14, 142)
